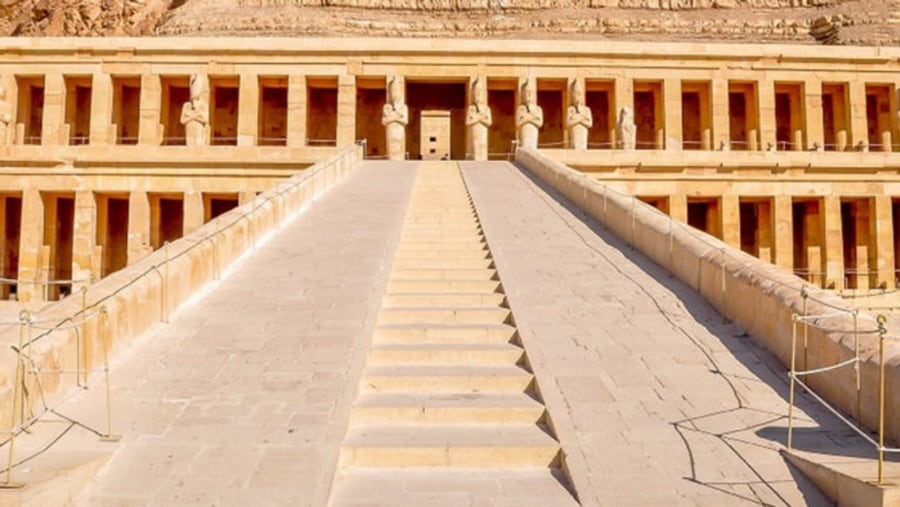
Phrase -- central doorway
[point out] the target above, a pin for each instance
(435, 135)
(425, 99)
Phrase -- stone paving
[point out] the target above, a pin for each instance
(655, 400)
(243, 399)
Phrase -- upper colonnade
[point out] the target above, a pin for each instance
(305, 94)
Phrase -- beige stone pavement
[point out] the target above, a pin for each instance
(656, 401)
(243, 399)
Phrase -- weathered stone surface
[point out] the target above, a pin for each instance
(871, 22)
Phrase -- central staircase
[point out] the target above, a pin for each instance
(448, 410)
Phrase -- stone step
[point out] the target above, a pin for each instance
(443, 286)
(468, 445)
(443, 487)
(402, 315)
(451, 247)
(447, 408)
(465, 253)
(447, 379)
(471, 225)
(444, 274)
(447, 353)
(443, 263)
(446, 333)
(450, 299)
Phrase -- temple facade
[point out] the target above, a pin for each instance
(112, 147)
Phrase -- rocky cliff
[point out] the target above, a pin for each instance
(860, 22)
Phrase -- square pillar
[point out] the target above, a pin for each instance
(678, 207)
(672, 114)
(766, 111)
(815, 123)
(731, 220)
(346, 120)
(248, 110)
(834, 243)
(84, 237)
(883, 225)
(193, 211)
(31, 246)
(720, 115)
(101, 109)
(297, 110)
(138, 226)
(150, 130)
(623, 96)
(859, 127)
(54, 130)
(784, 232)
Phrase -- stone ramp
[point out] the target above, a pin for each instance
(448, 412)
(244, 397)
(655, 400)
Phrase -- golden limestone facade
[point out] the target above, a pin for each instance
(111, 147)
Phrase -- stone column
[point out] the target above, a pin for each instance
(883, 226)
(84, 239)
(815, 123)
(193, 211)
(478, 119)
(101, 109)
(150, 131)
(765, 111)
(784, 232)
(579, 117)
(834, 242)
(859, 126)
(623, 97)
(731, 220)
(674, 136)
(678, 207)
(248, 110)
(296, 120)
(346, 117)
(138, 226)
(395, 117)
(31, 245)
(53, 131)
(529, 115)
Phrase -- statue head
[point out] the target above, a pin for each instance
(479, 92)
(626, 116)
(578, 93)
(196, 84)
(529, 92)
(395, 93)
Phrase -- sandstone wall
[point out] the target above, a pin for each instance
(754, 294)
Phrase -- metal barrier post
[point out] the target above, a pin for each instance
(805, 295)
(80, 343)
(856, 367)
(790, 434)
(881, 332)
(104, 340)
(24, 318)
(164, 288)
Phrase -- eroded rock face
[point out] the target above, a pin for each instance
(80, 17)
(868, 22)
